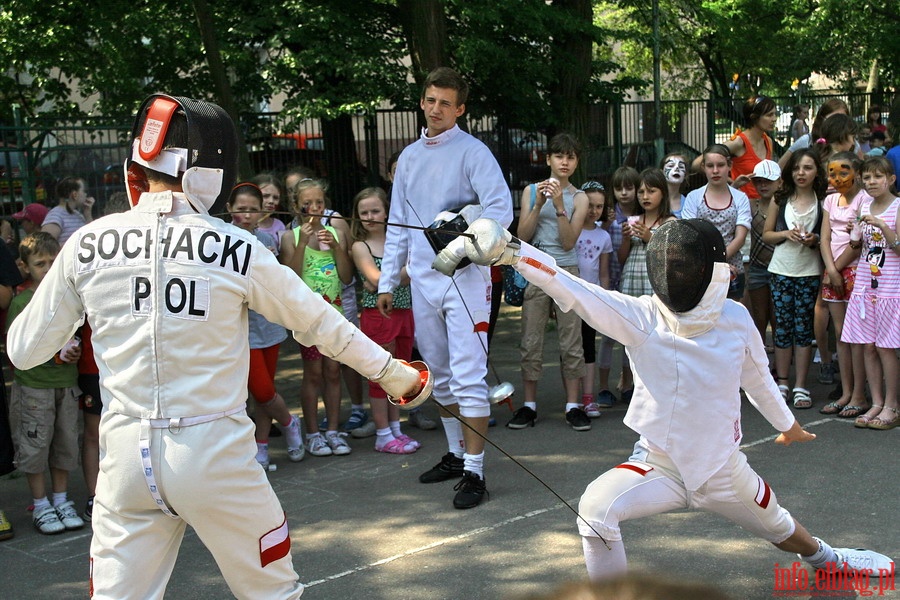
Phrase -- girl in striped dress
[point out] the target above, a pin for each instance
(872, 313)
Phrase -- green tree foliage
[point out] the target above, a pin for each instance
(768, 43)
(530, 62)
(329, 58)
(850, 35)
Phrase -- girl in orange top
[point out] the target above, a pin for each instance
(753, 145)
(750, 146)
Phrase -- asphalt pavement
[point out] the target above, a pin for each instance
(362, 525)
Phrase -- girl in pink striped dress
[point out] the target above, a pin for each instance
(873, 314)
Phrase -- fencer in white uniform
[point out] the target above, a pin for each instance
(168, 289)
(692, 352)
(445, 170)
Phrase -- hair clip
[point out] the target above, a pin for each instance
(821, 141)
(592, 186)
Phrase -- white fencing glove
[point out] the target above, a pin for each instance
(407, 385)
(492, 244)
(447, 259)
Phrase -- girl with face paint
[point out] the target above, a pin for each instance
(836, 134)
(840, 254)
(674, 167)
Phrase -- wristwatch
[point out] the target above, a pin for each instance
(562, 213)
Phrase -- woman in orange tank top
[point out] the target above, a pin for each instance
(752, 145)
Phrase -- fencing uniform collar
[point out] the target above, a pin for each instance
(441, 138)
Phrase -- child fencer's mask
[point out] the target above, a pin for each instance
(680, 259)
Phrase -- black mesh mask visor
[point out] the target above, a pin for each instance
(211, 163)
(680, 259)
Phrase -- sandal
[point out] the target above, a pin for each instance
(833, 408)
(408, 441)
(851, 412)
(801, 399)
(395, 446)
(863, 421)
(883, 424)
(785, 392)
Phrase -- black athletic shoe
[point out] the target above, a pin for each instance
(450, 467)
(470, 491)
(88, 510)
(522, 418)
(578, 420)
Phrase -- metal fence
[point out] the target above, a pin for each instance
(36, 153)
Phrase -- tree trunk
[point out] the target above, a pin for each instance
(425, 27)
(345, 177)
(872, 84)
(572, 63)
(220, 78)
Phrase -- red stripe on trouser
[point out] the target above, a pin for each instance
(766, 495)
(275, 544)
(634, 468)
(481, 327)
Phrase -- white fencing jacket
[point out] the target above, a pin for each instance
(688, 367)
(445, 172)
(167, 291)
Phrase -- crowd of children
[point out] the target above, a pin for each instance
(822, 234)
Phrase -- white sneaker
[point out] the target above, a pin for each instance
(69, 516)
(338, 446)
(292, 433)
(418, 419)
(263, 459)
(860, 559)
(294, 440)
(592, 410)
(317, 446)
(296, 454)
(47, 521)
(367, 430)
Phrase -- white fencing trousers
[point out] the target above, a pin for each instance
(451, 334)
(649, 484)
(209, 476)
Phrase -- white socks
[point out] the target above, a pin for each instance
(474, 463)
(453, 431)
(825, 555)
(600, 561)
(383, 437)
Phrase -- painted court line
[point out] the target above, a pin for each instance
(489, 528)
(437, 544)
(805, 426)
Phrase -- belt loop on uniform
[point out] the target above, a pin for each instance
(175, 425)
